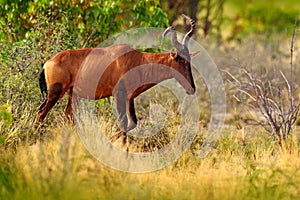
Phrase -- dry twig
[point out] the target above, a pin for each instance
(279, 112)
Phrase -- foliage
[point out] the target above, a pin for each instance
(269, 18)
(264, 21)
(21, 63)
(90, 21)
(5, 114)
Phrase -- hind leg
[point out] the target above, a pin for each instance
(69, 109)
(55, 92)
(73, 101)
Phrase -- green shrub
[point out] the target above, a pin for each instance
(5, 114)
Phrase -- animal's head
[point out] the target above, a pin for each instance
(182, 58)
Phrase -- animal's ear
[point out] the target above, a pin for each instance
(194, 53)
(173, 54)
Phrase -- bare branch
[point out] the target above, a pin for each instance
(233, 77)
(290, 90)
(248, 94)
(237, 99)
(292, 49)
(275, 102)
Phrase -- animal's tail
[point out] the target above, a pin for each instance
(42, 82)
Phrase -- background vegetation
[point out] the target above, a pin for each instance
(245, 163)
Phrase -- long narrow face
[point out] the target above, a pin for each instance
(183, 66)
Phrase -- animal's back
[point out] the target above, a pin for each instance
(100, 71)
(85, 65)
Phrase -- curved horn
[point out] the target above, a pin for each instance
(187, 37)
(175, 42)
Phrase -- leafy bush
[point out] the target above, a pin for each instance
(263, 20)
(89, 21)
(5, 114)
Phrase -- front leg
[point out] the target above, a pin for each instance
(120, 97)
(131, 114)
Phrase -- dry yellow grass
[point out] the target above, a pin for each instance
(248, 167)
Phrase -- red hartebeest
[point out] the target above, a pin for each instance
(103, 72)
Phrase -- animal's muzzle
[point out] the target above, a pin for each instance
(191, 91)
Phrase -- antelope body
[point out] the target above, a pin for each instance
(119, 71)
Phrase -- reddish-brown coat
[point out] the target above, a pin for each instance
(118, 71)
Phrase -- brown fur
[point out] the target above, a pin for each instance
(118, 71)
